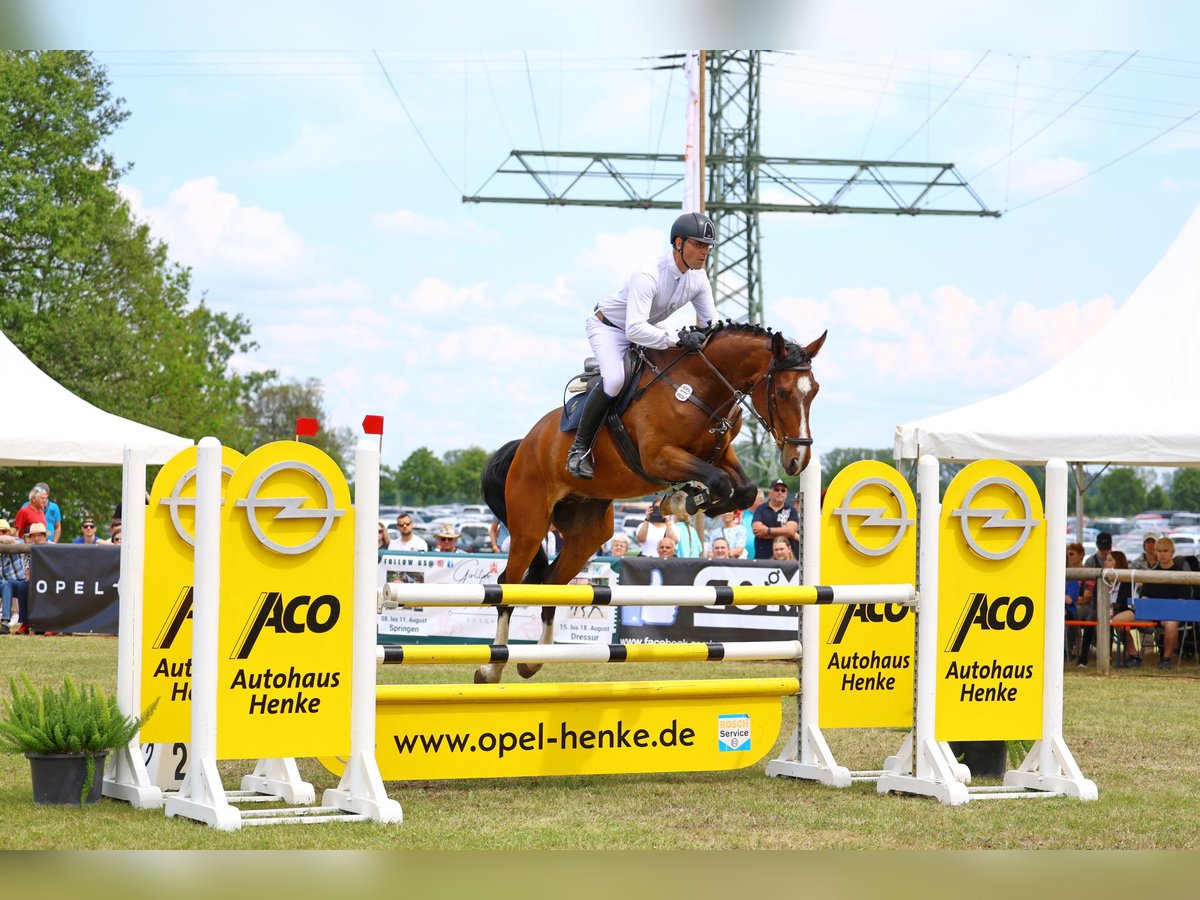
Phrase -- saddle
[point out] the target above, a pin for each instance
(578, 388)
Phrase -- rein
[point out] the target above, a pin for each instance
(738, 400)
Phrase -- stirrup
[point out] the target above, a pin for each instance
(582, 468)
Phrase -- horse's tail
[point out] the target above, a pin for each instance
(495, 477)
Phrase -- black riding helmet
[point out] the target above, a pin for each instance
(696, 226)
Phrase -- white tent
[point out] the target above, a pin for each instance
(1144, 422)
(64, 430)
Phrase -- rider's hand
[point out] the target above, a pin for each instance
(692, 340)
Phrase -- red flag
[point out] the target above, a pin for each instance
(307, 427)
(373, 425)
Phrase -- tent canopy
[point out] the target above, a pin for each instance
(1144, 423)
(69, 431)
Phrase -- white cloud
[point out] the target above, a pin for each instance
(213, 232)
(407, 222)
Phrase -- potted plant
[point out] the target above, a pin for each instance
(66, 734)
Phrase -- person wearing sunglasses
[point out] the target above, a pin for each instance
(408, 541)
(88, 532)
(773, 519)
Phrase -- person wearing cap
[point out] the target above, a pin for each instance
(88, 527)
(1148, 558)
(37, 533)
(447, 539)
(630, 316)
(774, 518)
(12, 574)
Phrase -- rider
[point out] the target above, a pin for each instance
(631, 316)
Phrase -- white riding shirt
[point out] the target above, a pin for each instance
(648, 297)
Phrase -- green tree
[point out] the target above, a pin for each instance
(86, 292)
(840, 457)
(422, 478)
(464, 469)
(1185, 490)
(1118, 493)
(272, 415)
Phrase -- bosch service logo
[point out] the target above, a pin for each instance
(291, 507)
(176, 501)
(1014, 519)
(874, 517)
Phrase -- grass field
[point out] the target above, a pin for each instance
(1134, 734)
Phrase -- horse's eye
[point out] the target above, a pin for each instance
(782, 393)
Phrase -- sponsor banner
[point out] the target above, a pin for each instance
(475, 625)
(991, 606)
(166, 673)
(285, 641)
(511, 731)
(868, 536)
(655, 624)
(73, 588)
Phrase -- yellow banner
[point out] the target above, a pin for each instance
(868, 536)
(517, 730)
(285, 639)
(167, 596)
(991, 606)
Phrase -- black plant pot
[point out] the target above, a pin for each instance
(58, 778)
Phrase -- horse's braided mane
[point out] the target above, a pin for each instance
(795, 353)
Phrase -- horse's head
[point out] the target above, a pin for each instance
(783, 398)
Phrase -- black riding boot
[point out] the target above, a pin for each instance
(579, 457)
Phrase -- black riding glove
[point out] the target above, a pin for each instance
(692, 340)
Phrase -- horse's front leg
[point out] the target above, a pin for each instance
(675, 464)
(744, 488)
(528, 670)
(490, 673)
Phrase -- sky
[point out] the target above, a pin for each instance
(310, 173)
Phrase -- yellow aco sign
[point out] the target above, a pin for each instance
(167, 595)
(517, 730)
(991, 606)
(868, 536)
(285, 640)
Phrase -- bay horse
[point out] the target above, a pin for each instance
(686, 413)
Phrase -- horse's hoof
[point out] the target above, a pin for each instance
(481, 676)
(527, 671)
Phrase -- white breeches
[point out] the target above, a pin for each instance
(608, 346)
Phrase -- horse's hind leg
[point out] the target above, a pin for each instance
(585, 526)
(490, 673)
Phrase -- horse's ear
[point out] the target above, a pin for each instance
(815, 347)
(778, 345)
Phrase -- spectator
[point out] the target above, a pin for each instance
(12, 576)
(748, 523)
(666, 547)
(447, 539)
(114, 530)
(37, 534)
(1128, 639)
(1147, 560)
(382, 540)
(88, 529)
(408, 541)
(1103, 547)
(1086, 604)
(1164, 550)
(774, 518)
(688, 544)
(53, 515)
(732, 533)
(1074, 585)
(619, 545)
(781, 548)
(33, 511)
(650, 532)
(498, 536)
(720, 548)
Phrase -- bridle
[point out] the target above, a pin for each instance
(724, 422)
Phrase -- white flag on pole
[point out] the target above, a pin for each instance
(691, 154)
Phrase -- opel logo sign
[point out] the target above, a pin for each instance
(291, 508)
(176, 500)
(996, 518)
(874, 517)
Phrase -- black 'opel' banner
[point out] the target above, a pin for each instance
(73, 588)
(672, 624)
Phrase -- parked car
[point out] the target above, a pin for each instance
(1187, 543)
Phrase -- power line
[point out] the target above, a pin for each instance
(929, 117)
(413, 122)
